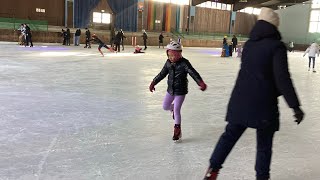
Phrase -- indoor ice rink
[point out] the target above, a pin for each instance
(68, 113)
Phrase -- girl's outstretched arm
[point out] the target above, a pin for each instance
(163, 73)
(195, 75)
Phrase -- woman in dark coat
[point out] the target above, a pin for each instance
(263, 77)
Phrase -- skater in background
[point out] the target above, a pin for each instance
(177, 68)
(145, 37)
(161, 40)
(225, 50)
(117, 41)
(101, 44)
(68, 37)
(28, 36)
(88, 36)
(22, 35)
(291, 46)
(64, 35)
(239, 51)
(234, 43)
(137, 49)
(225, 47)
(77, 37)
(254, 100)
(122, 37)
(312, 50)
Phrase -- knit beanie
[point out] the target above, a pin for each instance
(270, 16)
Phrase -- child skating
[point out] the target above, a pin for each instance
(177, 68)
(101, 44)
(312, 50)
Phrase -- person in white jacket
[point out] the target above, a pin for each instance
(312, 50)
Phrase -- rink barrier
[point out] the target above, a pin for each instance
(134, 40)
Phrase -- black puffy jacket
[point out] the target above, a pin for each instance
(263, 76)
(177, 78)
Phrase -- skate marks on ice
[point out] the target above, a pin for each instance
(46, 154)
(97, 142)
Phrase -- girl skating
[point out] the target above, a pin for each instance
(101, 44)
(312, 50)
(177, 68)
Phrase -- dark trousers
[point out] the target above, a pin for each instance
(234, 48)
(145, 44)
(161, 43)
(117, 47)
(313, 60)
(29, 40)
(68, 41)
(88, 44)
(229, 138)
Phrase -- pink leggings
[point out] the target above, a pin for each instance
(174, 103)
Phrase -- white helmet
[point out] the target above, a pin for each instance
(174, 46)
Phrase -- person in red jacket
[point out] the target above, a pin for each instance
(177, 68)
(137, 49)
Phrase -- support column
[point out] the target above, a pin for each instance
(181, 19)
(65, 13)
(188, 17)
(232, 21)
(73, 13)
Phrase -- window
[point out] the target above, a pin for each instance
(315, 4)
(208, 4)
(248, 10)
(40, 10)
(224, 7)
(218, 5)
(104, 18)
(228, 7)
(214, 5)
(314, 26)
(179, 2)
(256, 11)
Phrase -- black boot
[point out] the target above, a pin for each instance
(211, 174)
(177, 133)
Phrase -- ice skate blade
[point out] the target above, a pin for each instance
(177, 141)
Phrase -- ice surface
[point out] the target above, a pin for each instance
(68, 113)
